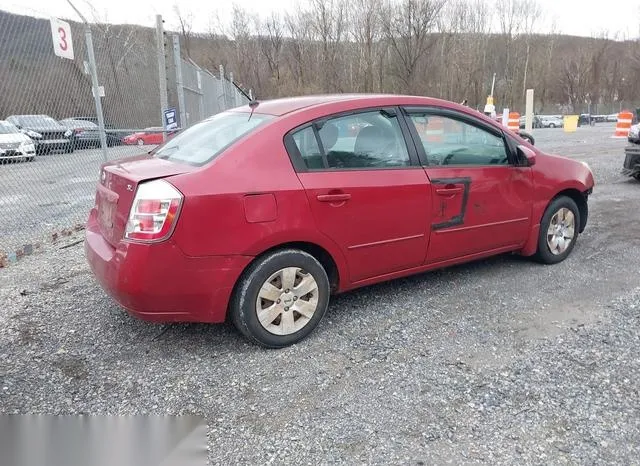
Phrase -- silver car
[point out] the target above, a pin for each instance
(15, 145)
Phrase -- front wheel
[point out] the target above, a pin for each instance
(281, 298)
(558, 230)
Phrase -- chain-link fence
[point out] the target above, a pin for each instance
(51, 144)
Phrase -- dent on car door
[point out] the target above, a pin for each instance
(366, 189)
(482, 196)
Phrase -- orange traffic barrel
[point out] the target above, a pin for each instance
(624, 124)
(435, 130)
(514, 121)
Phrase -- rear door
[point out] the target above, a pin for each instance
(481, 195)
(366, 189)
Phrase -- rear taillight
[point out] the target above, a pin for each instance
(154, 211)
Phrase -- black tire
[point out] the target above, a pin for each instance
(551, 125)
(31, 158)
(544, 254)
(637, 176)
(243, 311)
(69, 149)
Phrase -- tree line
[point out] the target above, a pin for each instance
(442, 48)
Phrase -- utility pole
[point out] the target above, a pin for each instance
(94, 81)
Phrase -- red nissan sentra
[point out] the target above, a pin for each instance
(260, 213)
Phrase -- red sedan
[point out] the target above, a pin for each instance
(146, 137)
(261, 213)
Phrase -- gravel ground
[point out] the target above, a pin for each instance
(501, 361)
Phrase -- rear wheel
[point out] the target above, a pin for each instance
(558, 230)
(281, 298)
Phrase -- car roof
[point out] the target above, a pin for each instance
(282, 106)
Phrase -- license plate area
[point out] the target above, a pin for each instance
(107, 206)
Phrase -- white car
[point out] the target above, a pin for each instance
(551, 122)
(14, 144)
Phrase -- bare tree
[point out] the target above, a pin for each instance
(408, 27)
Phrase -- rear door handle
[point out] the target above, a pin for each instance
(448, 191)
(333, 197)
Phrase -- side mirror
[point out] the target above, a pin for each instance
(527, 154)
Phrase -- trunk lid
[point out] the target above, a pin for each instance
(117, 188)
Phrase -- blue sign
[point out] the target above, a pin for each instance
(170, 118)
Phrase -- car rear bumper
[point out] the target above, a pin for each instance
(631, 166)
(158, 282)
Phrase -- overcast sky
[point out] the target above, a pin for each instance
(576, 17)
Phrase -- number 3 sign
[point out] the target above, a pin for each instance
(61, 34)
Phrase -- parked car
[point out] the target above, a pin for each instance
(47, 133)
(551, 122)
(534, 124)
(146, 137)
(585, 119)
(87, 134)
(262, 212)
(631, 166)
(15, 145)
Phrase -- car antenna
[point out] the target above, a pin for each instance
(252, 105)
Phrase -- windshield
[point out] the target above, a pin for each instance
(37, 120)
(74, 124)
(200, 143)
(7, 128)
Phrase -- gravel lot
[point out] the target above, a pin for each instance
(501, 361)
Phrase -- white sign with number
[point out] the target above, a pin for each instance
(61, 34)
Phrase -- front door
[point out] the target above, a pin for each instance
(366, 190)
(481, 195)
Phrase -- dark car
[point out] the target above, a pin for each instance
(87, 134)
(47, 133)
(259, 214)
(631, 166)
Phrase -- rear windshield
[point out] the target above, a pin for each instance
(203, 141)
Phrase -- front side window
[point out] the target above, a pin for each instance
(203, 141)
(361, 141)
(448, 141)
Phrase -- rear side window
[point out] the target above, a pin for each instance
(365, 140)
(203, 141)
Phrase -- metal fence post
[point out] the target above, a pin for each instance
(93, 70)
(224, 89)
(162, 70)
(179, 80)
(201, 95)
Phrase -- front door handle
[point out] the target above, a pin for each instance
(342, 197)
(448, 191)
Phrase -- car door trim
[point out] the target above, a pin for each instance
(386, 241)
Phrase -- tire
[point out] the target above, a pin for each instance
(276, 269)
(637, 176)
(551, 125)
(69, 149)
(30, 159)
(558, 206)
